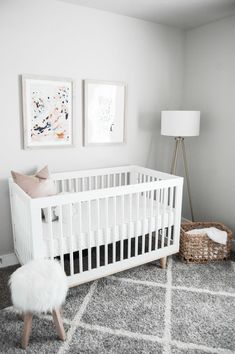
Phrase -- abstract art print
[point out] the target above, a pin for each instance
(104, 112)
(47, 111)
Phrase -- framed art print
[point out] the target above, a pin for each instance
(47, 111)
(104, 112)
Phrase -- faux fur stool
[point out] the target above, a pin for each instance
(39, 286)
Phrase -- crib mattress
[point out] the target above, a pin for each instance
(104, 231)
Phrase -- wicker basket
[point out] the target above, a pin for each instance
(200, 248)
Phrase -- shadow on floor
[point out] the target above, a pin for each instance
(5, 296)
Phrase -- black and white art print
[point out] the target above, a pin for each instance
(104, 112)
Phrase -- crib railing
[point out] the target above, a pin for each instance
(132, 216)
(143, 237)
(94, 179)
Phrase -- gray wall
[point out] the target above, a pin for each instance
(209, 86)
(54, 38)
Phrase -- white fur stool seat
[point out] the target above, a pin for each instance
(39, 286)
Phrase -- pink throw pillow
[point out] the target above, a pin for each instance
(37, 186)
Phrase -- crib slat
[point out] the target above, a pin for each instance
(147, 180)
(130, 223)
(174, 208)
(137, 222)
(144, 222)
(122, 223)
(150, 220)
(164, 200)
(70, 185)
(114, 227)
(71, 239)
(97, 233)
(119, 179)
(170, 215)
(106, 230)
(61, 237)
(51, 241)
(80, 237)
(89, 232)
(156, 219)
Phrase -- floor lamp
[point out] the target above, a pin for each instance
(181, 124)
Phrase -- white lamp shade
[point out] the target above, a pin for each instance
(180, 123)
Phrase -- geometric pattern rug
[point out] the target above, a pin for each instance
(185, 309)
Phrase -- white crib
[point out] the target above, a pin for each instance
(108, 220)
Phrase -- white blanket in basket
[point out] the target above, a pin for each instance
(213, 233)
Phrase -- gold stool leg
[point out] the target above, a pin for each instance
(28, 317)
(59, 324)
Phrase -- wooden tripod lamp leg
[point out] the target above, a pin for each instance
(28, 317)
(163, 262)
(59, 324)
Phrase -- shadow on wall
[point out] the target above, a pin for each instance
(150, 123)
(160, 149)
(21, 128)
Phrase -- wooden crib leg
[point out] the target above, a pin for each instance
(59, 324)
(28, 317)
(163, 262)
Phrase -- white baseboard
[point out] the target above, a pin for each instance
(7, 260)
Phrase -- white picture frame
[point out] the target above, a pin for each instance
(48, 109)
(104, 114)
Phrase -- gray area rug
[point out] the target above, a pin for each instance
(5, 296)
(186, 309)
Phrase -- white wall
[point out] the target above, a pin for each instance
(210, 87)
(47, 37)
